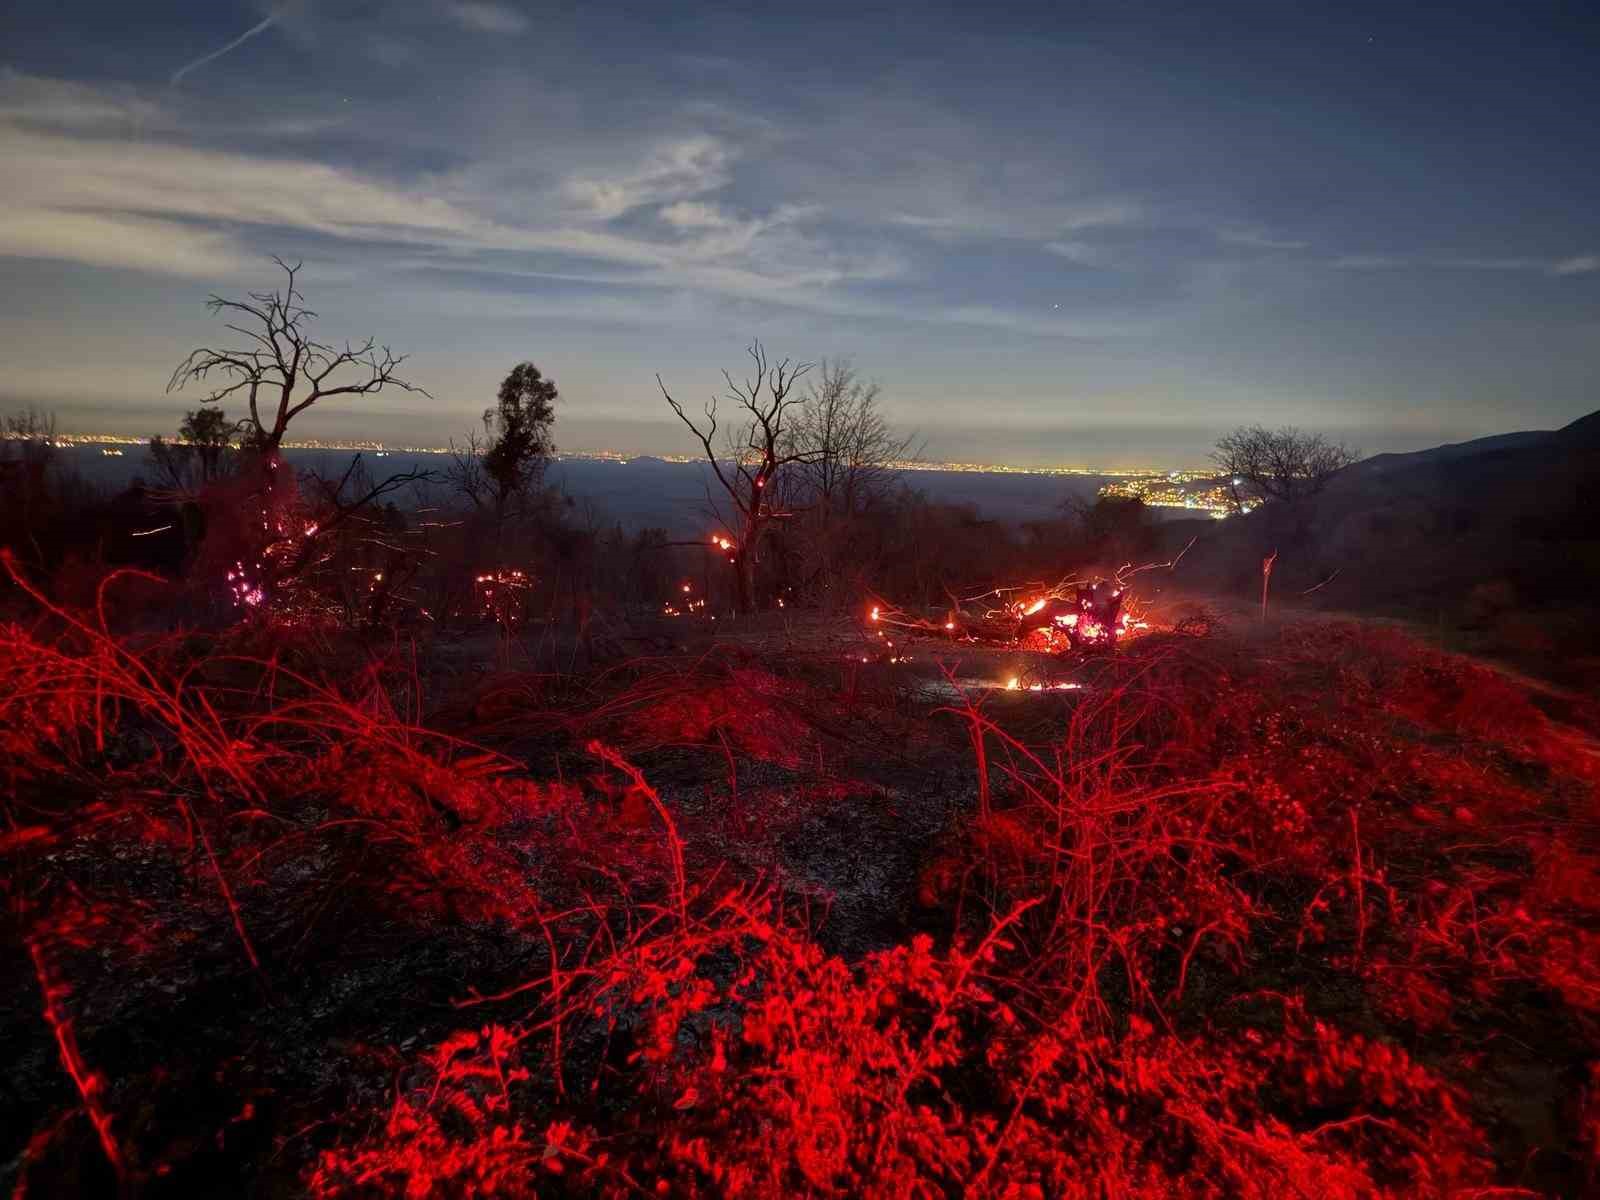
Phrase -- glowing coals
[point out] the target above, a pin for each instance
(1014, 684)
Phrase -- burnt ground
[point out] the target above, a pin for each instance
(848, 786)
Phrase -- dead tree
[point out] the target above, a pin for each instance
(27, 453)
(1285, 465)
(280, 367)
(849, 462)
(752, 457)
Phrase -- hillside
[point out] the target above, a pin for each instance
(1395, 463)
(1309, 915)
(1496, 536)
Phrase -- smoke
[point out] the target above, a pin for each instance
(177, 76)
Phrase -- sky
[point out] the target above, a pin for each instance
(1095, 233)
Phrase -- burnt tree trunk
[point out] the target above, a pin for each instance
(744, 581)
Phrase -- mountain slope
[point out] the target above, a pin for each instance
(1502, 528)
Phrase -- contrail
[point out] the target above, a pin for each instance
(244, 37)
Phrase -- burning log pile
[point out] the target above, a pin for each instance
(1072, 615)
(1075, 614)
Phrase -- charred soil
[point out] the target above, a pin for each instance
(1314, 912)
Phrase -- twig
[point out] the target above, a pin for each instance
(1324, 583)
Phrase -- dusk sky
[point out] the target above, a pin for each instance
(1090, 233)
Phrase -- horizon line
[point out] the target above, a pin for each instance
(67, 440)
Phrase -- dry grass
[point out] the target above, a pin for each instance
(1312, 917)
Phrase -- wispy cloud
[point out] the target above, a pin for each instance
(181, 210)
(1582, 264)
(1371, 262)
(119, 240)
(1577, 265)
(259, 28)
(694, 214)
(1259, 241)
(974, 218)
(482, 17)
(30, 100)
(675, 170)
(1077, 252)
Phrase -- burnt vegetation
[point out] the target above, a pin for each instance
(428, 834)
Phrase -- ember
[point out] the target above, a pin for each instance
(503, 595)
(1072, 615)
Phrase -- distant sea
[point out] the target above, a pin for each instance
(643, 492)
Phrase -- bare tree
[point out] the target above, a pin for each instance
(27, 441)
(1284, 464)
(365, 554)
(279, 366)
(848, 451)
(846, 464)
(27, 453)
(755, 451)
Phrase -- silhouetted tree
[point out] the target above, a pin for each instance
(199, 455)
(1112, 530)
(754, 453)
(1278, 464)
(498, 473)
(845, 455)
(27, 454)
(279, 367)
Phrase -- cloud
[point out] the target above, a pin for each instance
(121, 240)
(630, 232)
(1581, 264)
(1077, 252)
(258, 28)
(482, 17)
(675, 170)
(1042, 326)
(986, 218)
(1471, 263)
(392, 51)
(56, 173)
(1578, 265)
(913, 221)
(187, 211)
(693, 214)
(1370, 262)
(59, 104)
(1258, 240)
